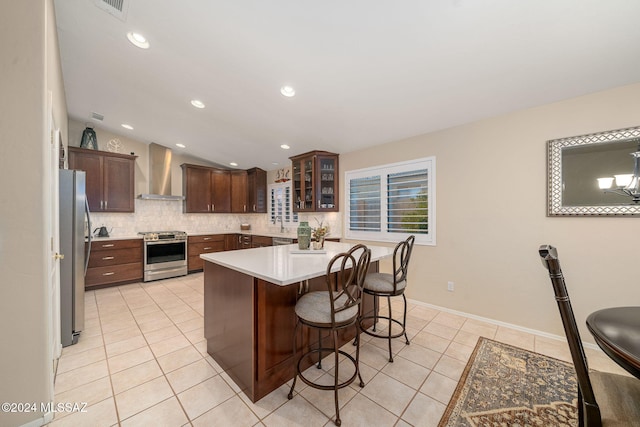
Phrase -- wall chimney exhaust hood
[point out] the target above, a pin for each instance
(159, 174)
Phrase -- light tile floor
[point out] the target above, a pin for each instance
(141, 360)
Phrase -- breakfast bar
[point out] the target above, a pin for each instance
(249, 300)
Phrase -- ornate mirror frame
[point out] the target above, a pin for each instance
(555, 181)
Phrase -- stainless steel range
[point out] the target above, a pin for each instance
(165, 254)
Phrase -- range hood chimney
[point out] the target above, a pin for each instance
(159, 174)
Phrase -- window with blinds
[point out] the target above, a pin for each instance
(280, 205)
(392, 202)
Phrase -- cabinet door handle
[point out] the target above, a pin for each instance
(239, 239)
(101, 204)
(207, 249)
(105, 204)
(208, 208)
(108, 257)
(254, 208)
(213, 207)
(109, 245)
(207, 238)
(110, 273)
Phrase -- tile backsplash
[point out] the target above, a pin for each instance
(162, 215)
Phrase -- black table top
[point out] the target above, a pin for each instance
(617, 331)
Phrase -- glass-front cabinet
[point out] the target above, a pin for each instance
(315, 182)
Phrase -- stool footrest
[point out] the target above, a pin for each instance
(378, 318)
(323, 386)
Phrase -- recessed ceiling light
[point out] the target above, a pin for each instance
(197, 104)
(287, 91)
(181, 145)
(285, 147)
(138, 40)
(126, 126)
(275, 163)
(233, 164)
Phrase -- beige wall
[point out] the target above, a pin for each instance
(491, 216)
(29, 66)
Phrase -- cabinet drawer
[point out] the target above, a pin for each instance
(196, 249)
(204, 239)
(105, 245)
(113, 274)
(114, 257)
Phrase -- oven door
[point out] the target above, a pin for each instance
(165, 254)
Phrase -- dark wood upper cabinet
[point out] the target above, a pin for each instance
(221, 191)
(196, 187)
(257, 189)
(210, 190)
(315, 182)
(110, 182)
(205, 189)
(239, 194)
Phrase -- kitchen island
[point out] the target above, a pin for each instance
(249, 317)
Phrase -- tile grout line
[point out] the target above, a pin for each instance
(113, 392)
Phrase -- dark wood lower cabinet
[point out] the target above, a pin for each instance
(115, 274)
(230, 242)
(204, 244)
(114, 262)
(244, 241)
(261, 241)
(249, 326)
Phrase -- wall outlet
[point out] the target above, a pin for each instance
(450, 286)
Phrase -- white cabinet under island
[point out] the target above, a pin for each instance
(249, 317)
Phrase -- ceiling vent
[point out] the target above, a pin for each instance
(97, 116)
(117, 8)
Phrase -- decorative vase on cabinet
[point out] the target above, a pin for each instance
(304, 235)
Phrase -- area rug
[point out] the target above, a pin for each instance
(503, 385)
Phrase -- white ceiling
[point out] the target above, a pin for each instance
(366, 72)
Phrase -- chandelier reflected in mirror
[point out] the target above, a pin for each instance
(625, 184)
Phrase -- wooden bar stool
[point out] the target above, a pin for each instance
(333, 310)
(604, 399)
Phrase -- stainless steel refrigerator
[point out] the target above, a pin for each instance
(74, 210)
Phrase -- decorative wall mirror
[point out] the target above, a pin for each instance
(595, 175)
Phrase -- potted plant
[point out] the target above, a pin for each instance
(319, 234)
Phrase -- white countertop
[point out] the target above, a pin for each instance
(276, 264)
(287, 235)
(121, 237)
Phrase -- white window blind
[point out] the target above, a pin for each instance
(391, 202)
(280, 204)
(407, 202)
(364, 203)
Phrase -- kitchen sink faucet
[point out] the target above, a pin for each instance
(275, 221)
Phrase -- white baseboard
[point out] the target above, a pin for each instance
(500, 323)
(45, 419)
